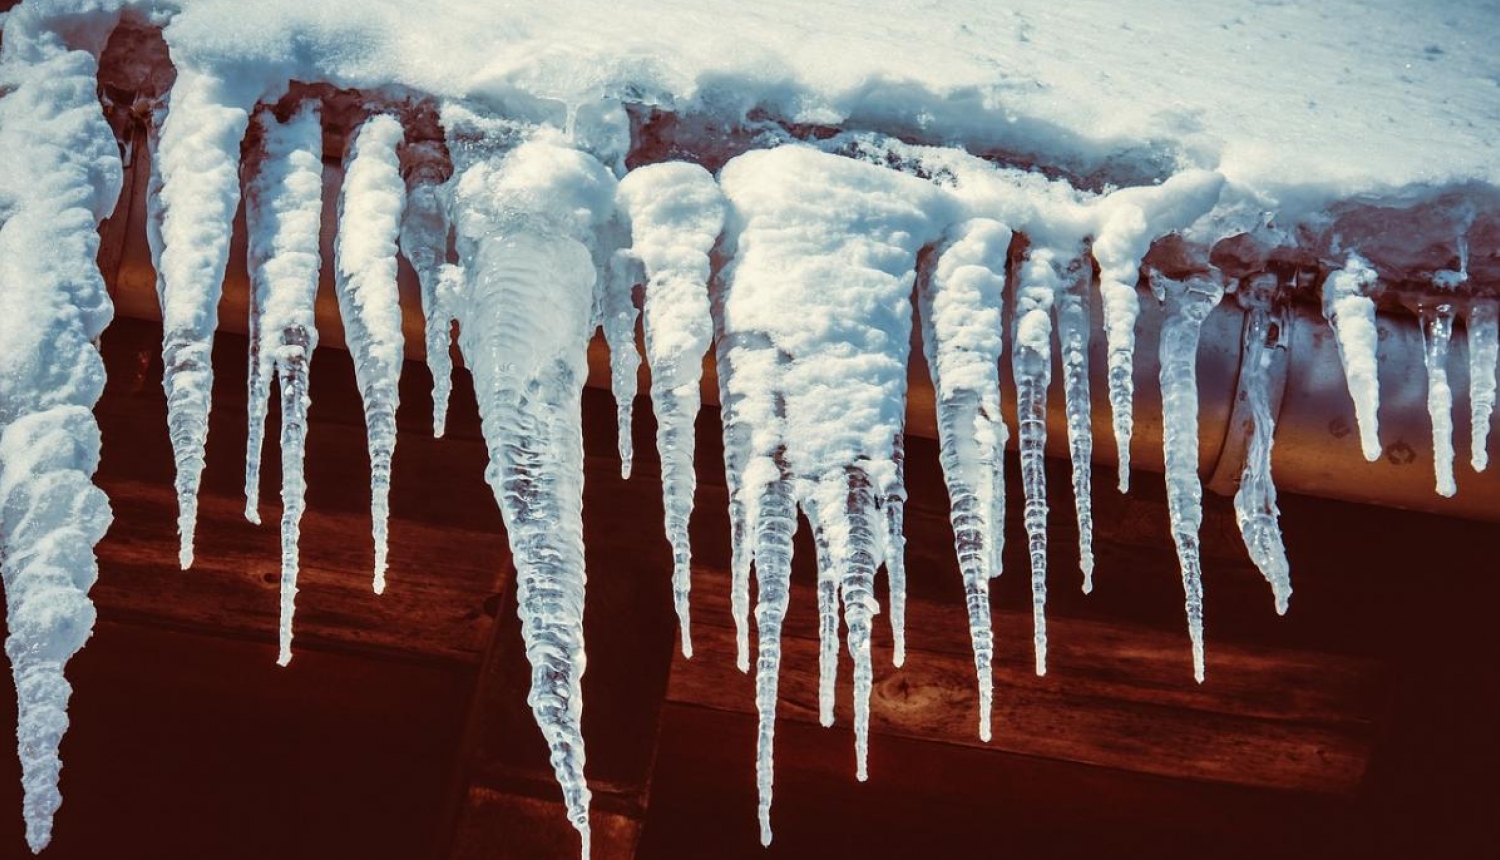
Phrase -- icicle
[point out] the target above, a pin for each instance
(424, 243)
(1437, 332)
(619, 315)
(1187, 305)
(195, 192)
(1031, 365)
(59, 177)
(1484, 348)
(283, 216)
(370, 210)
(893, 544)
(676, 213)
(1255, 502)
(775, 524)
(960, 299)
(1350, 310)
(526, 219)
(1072, 306)
(817, 300)
(828, 616)
(1127, 222)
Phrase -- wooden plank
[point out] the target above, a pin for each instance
(1114, 696)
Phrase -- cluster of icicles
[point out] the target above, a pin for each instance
(796, 265)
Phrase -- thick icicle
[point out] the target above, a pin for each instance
(196, 190)
(59, 176)
(1437, 333)
(817, 300)
(370, 210)
(960, 300)
(1483, 325)
(424, 243)
(1187, 303)
(526, 219)
(1127, 222)
(283, 216)
(1255, 502)
(1041, 278)
(676, 214)
(1350, 310)
(1072, 307)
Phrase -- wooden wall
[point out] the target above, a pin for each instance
(1358, 725)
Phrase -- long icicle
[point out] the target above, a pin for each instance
(283, 215)
(775, 524)
(370, 209)
(1350, 310)
(196, 190)
(1031, 365)
(1187, 305)
(676, 214)
(1072, 307)
(527, 218)
(960, 298)
(51, 514)
(1437, 334)
(1483, 325)
(423, 240)
(1255, 502)
(828, 616)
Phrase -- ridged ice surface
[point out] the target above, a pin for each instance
(59, 175)
(1255, 507)
(817, 299)
(676, 214)
(960, 299)
(526, 221)
(191, 206)
(1072, 308)
(1187, 304)
(1039, 280)
(1351, 312)
(283, 216)
(424, 238)
(370, 209)
(1483, 324)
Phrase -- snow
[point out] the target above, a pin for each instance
(370, 209)
(283, 216)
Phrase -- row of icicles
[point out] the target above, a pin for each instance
(529, 244)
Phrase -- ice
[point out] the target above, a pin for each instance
(1437, 333)
(527, 210)
(1040, 279)
(1484, 348)
(196, 193)
(1350, 310)
(817, 299)
(1187, 303)
(283, 216)
(424, 243)
(1255, 502)
(370, 210)
(676, 213)
(1127, 221)
(960, 298)
(1072, 307)
(59, 176)
(619, 315)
